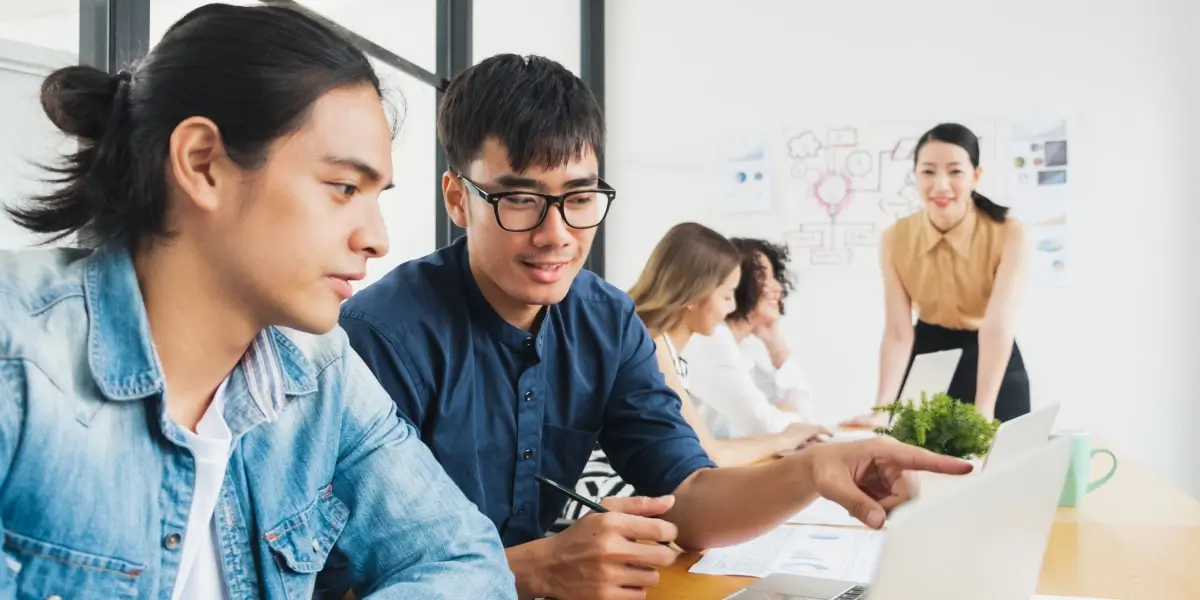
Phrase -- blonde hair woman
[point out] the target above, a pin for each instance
(687, 287)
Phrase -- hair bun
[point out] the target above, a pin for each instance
(79, 99)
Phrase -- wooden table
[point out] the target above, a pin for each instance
(1135, 537)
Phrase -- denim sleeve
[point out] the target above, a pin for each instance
(412, 533)
(12, 403)
(644, 434)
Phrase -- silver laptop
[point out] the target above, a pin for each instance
(1020, 435)
(931, 373)
(984, 538)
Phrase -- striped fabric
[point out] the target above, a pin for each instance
(264, 377)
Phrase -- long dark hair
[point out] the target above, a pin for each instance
(959, 135)
(254, 71)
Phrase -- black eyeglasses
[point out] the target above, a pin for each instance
(524, 211)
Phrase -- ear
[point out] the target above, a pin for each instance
(455, 196)
(978, 175)
(194, 149)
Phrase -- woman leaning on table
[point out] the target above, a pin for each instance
(961, 263)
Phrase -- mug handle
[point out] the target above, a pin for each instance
(1099, 482)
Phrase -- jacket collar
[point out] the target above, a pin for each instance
(958, 237)
(121, 351)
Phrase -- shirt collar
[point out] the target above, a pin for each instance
(958, 237)
(121, 351)
(483, 313)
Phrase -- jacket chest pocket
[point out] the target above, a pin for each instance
(301, 543)
(43, 570)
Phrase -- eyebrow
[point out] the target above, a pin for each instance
(361, 166)
(517, 181)
(932, 164)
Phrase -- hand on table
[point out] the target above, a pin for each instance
(599, 556)
(871, 477)
(802, 434)
(869, 420)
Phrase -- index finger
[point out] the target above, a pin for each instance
(645, 555)
(634, 527)
(913, 458)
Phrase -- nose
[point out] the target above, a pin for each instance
(941, 183)
(553, 232)
(371, 239)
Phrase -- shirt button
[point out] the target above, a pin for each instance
(316, 545)
(171, 542)
(53, 597)
(527, 454)
(528, 342)
(529, 396)
(520, 511)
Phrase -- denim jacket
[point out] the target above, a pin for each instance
(96, 479)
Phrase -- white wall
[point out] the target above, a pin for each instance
(548, 28)
(29, 137)
(1116, 347)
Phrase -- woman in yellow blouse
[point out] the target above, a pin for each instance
(960, 263)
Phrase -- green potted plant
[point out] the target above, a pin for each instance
(940, 424)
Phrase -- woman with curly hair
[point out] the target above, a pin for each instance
(738, 391)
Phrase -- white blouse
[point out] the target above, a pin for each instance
(738, 395)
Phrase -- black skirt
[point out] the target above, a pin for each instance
(1013, 399)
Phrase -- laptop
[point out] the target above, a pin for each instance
(983, 539)
(1017, 436)
(930, 373)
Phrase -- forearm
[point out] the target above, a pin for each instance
(748, 450)
(894, 352)
(711, 506)
(777, 349)
(995, 349)
(528, 564)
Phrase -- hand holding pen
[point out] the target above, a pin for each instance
(601, 554)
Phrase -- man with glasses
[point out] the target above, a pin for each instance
(512, 362)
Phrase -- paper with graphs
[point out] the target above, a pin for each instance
(815, 551)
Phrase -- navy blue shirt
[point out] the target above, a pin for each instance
(497, 405)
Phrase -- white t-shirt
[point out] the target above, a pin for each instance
(738, 395)
(200, 574)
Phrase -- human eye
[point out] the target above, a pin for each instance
(346, 190)
(520, 200)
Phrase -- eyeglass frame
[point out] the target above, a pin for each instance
(494, 198)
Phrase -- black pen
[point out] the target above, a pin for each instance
(591, 505)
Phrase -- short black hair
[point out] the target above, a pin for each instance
(541, 112)
(750, 286)
(254, 71)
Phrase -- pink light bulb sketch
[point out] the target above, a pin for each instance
(834, 192)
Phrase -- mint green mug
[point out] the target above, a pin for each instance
(1079, 483)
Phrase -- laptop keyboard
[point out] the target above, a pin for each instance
(857, 592)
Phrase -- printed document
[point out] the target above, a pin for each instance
(815, 551)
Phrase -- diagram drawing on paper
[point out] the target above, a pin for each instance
(847, 185)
